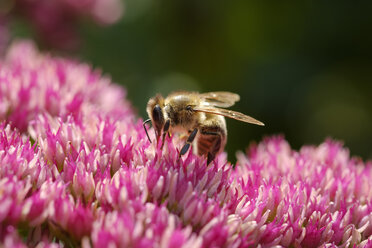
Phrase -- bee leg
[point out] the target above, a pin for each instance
(189, 140)
(165, 131)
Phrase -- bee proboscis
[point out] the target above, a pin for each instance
(200, 115)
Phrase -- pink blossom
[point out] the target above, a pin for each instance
(76, 169)
(55, 21)
(32, 84)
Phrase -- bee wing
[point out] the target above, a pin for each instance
(222, 99)
(228, 113)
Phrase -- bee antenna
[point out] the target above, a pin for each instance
(144, 126)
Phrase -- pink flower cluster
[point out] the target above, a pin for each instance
(55, 21)
(76, 169)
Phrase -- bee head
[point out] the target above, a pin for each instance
(155, 111)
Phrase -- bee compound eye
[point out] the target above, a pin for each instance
(157, 114)
(189, 108)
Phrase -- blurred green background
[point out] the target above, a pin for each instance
(304, 69)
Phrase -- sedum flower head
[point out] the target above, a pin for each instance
(76, 169)
(55, 21)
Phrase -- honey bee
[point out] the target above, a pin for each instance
(201, 116)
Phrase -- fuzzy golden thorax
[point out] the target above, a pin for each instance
(179, 109)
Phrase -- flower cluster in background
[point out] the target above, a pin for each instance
(55, 21)
(76, 169)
